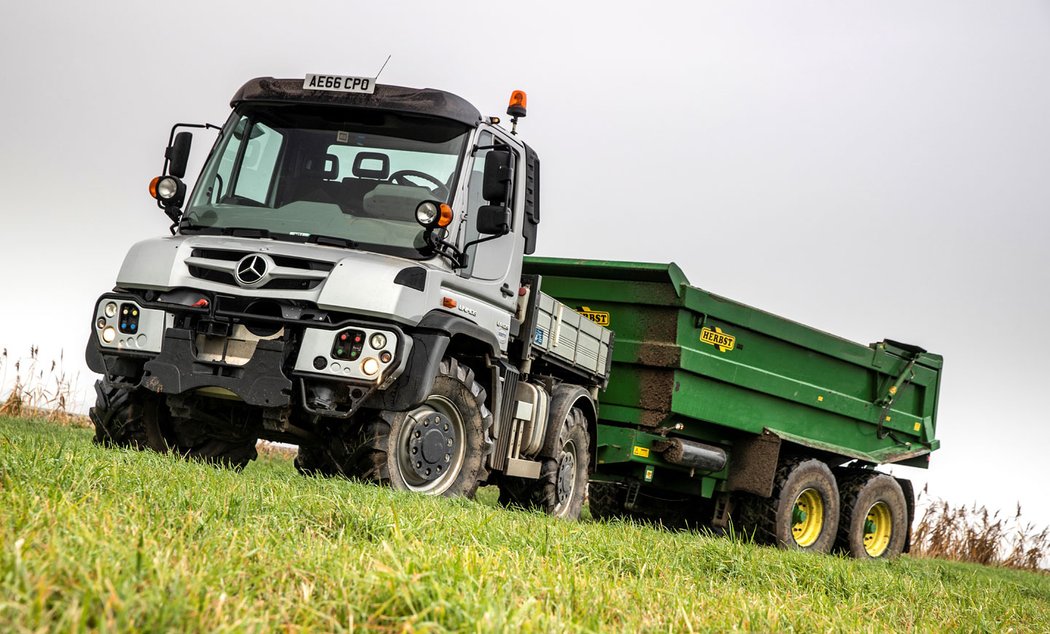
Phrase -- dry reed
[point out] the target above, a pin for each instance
(975, 534)
(42, 390)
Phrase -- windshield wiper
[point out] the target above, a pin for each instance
(249, 232)
(331, 241)
(237, 232)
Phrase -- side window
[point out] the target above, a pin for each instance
(224, 168)
(474, 199)
(257, 166)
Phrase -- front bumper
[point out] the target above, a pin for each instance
(172, 351)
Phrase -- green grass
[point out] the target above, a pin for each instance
(119, 540)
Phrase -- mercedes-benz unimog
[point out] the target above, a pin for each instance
(349, 275)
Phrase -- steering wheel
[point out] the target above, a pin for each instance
(401, 178)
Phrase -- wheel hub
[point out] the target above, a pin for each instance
(878, 529)
(432, 442)
(807, 518)
(566, 482)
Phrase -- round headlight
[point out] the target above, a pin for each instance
(109, 334)
(370, 366)
(167, 187)
(426, 213)
(110, 309)
(378, 341)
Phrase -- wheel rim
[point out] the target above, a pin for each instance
(565, 485)
(878, 529)
(430, 446)
(807, 518)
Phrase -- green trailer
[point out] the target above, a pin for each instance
(721, 412)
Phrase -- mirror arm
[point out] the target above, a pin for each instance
(171, 136)
(480, 240)
(457, 258)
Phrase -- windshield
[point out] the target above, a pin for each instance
(356, 175)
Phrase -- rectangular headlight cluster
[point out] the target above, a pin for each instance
(361, 353)
(121, 324)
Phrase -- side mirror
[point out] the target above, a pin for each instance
(493, 220)
(495, 186)
(178, 153)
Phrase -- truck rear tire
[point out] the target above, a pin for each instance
(315, 461)
(133, 418)
(803, 511)
(874, 516)
(194, 422)
(562, 485)
(438, 448)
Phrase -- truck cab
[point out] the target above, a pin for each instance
(346, 275)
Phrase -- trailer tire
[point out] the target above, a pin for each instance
(803, 511)
(437, 448)
(133, 418)
(562, 485)
(605, 501)
(874, 521)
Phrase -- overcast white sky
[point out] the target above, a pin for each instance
(872, 169)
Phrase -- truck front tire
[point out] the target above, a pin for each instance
(874, 516)
(437, 448)
(132, 418)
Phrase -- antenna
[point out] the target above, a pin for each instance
(381, 69)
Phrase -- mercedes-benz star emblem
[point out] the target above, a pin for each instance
(251, 270)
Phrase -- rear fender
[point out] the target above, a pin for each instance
(564, 398)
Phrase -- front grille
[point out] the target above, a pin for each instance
(218, 265)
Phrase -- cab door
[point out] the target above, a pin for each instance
(496, 260)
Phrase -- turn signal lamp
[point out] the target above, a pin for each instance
(516, 108)
(444, 215)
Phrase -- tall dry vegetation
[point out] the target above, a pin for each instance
(40, 389)
(974, 534)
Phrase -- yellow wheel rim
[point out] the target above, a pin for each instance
(807, 518)
(878, 529)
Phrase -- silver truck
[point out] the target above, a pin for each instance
(346, 276)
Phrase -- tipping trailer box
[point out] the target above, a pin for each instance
(692, 365)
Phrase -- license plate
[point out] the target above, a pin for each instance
(340, 83)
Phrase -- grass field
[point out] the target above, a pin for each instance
(117, 540)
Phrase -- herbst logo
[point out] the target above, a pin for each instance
(597, 316)
(718, 339)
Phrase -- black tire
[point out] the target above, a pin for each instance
(217, 432)
(562, 485)
(315, 461)
(803, 511)
(133, 418)
(874, 521)
(605, 500)
(438, 448)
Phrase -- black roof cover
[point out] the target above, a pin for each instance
(397, 98)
